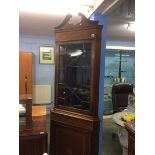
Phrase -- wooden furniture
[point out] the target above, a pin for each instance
(131, 137)
(34, 140)
(25, 119)
(25, 72)
(32, 124)
(74, 119)
(120, 92)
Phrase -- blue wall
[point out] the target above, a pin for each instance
(102, 21)
(42, 74)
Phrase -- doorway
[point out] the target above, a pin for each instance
(119, 68)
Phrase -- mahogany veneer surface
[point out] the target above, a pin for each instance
(33, 141)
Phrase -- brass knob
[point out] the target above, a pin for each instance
(93, 35)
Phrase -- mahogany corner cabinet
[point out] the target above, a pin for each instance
(74, 118)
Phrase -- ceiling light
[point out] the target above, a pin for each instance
(76, 53)
(131, 26)
(120, 48)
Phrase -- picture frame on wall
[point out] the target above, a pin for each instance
(46, 55)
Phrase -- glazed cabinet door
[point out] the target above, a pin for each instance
(73, 85)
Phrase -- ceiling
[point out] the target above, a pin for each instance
(38, 24)
(118, 12)
(118, 20)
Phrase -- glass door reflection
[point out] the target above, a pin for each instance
(74, 75)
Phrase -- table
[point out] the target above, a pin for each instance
(33, 141)
(123, 130)
(131, 137)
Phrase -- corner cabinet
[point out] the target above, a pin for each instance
(74, 119)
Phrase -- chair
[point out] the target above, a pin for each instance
(120, 92)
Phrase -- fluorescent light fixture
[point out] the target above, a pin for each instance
(131, 26)
(56, 7)
(120, 48)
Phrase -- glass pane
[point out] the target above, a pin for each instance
(119, 67)
(74, 75)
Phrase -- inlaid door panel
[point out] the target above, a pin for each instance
(71, 141)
